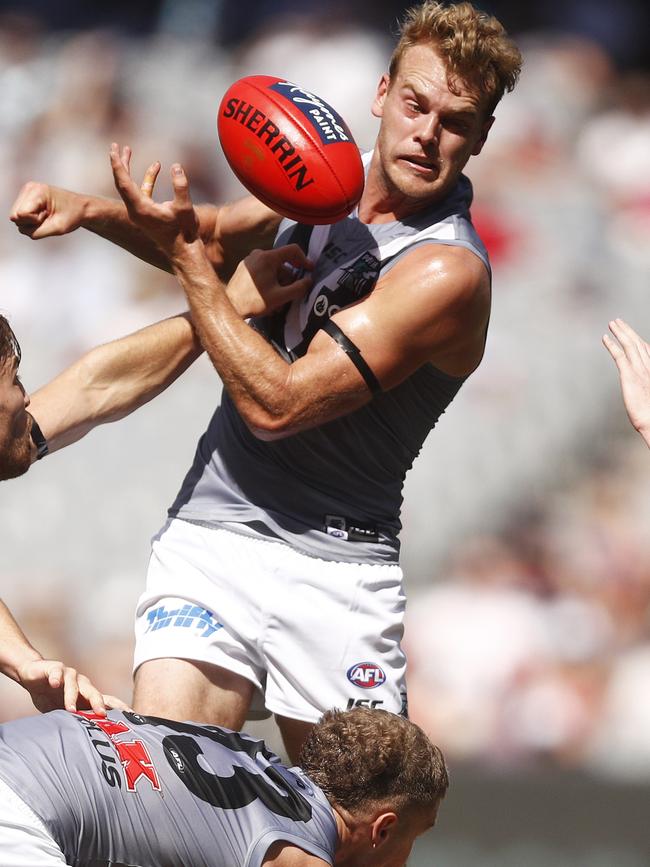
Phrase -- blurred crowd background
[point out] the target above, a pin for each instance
(526, 540)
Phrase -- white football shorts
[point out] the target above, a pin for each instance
(24, 839)
(310, 634)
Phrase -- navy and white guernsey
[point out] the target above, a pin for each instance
(144, 791)
(335, 491)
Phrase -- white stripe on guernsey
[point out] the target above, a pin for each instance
(445, 230)
(296, 318)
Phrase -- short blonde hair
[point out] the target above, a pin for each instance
(474, 46)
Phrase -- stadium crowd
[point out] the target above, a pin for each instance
(528, 629)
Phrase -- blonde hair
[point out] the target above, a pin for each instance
(474, 46)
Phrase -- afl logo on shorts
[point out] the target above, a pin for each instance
(367, 675)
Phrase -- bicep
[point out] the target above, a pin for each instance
(423, 313)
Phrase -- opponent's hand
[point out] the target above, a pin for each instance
(267, 279)
(52, 685)
(632, 356)
(171, 225)
(41, 211)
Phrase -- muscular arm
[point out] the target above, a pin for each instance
(113, 380)
(229, 232)
(432, 307)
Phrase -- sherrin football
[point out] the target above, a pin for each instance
(290, 149)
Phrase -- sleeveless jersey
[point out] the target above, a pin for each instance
(133, 790)
(334, 491)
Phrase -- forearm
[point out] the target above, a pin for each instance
(113, 380)
(109, 219)
(15, 649)
(256, 377)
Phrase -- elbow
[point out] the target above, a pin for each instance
(269, 428)
(269, 424)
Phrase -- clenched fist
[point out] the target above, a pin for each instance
(41, 211)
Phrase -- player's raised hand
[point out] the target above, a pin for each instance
(41, 211)
(52, 685)
(267, 279)
(172, 224)
(632, 356)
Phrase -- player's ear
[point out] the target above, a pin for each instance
(478, 147)
(383, 828)
(380, 95)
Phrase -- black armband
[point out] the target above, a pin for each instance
(39, 440)
(354, 354)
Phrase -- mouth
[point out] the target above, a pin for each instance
(422, 165)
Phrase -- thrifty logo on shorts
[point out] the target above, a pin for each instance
(367, 675)
(187, 617)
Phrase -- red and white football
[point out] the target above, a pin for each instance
(290, 149)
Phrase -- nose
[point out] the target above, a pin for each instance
(428, 132)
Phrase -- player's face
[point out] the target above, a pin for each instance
(427, 133)
(15, 422)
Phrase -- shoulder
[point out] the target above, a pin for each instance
(441, 276)
(283, 854)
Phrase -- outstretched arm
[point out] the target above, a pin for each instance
(50, 683)
(113, 380)
(632, 356)
(229, 232)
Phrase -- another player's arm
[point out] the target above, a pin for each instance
(113, 380)
(229, 231)
(50, 683)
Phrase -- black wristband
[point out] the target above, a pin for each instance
(39, 440)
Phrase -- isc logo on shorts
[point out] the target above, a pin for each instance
(367, 675)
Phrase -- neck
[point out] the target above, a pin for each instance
(348, 850)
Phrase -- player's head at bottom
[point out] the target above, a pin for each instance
(383, 777)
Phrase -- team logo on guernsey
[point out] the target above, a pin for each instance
(359, 277)
(367, 675)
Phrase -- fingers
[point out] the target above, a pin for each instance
(181, 186)
(90, 693)
(628, 346)
(30, 208)
(124, 184)
(294, 255)
(114, 703)
(614, 350)
(70, 689)
(149, 180)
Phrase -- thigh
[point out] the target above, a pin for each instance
(196, 615)
(24, 839)
(335, 639)
(183, 690)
